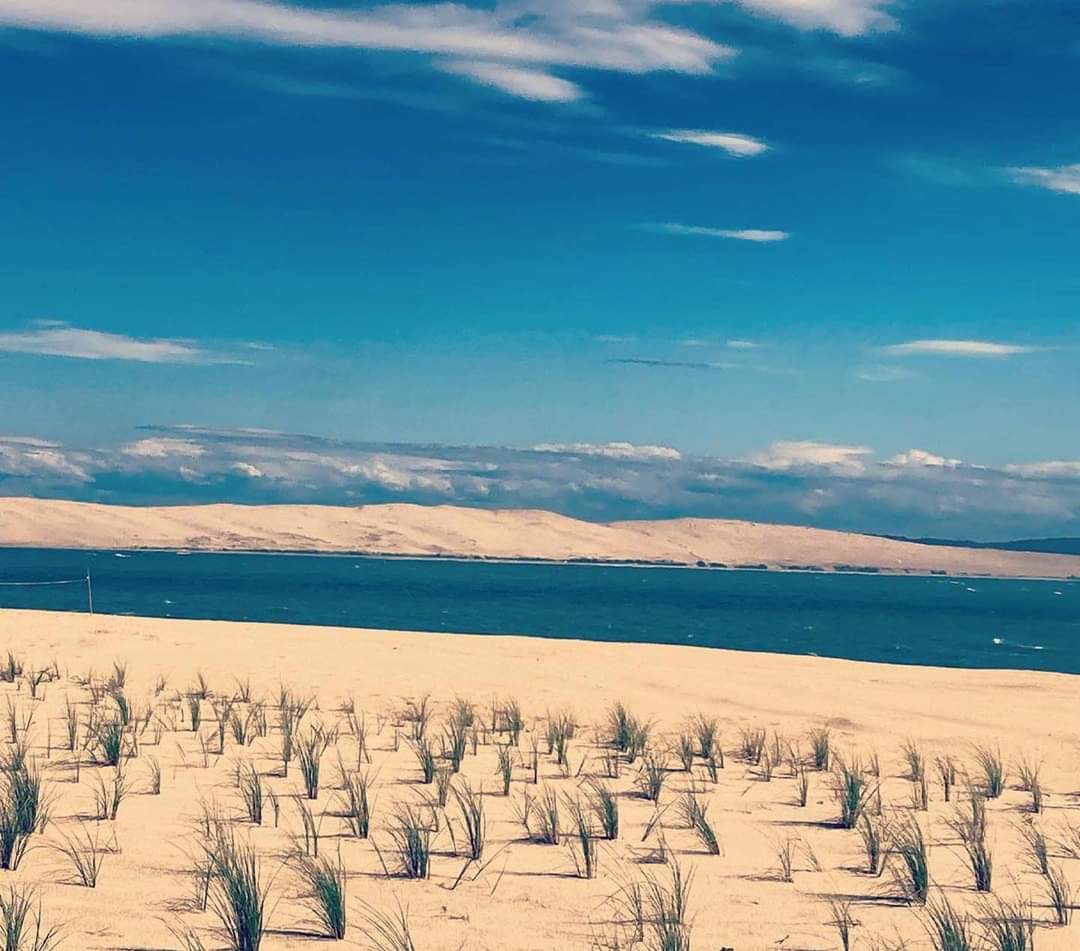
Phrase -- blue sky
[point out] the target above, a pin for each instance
(809, 260)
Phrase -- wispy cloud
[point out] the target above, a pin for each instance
(525, 83)
(1062, 178)
(622, 37)
(845, 17)
(956, 348)
(610, 450)
(743, 345)
(60, 340)
(757, 235)
(40, 459)
(683, 364)
(733, 143)
(801, 453)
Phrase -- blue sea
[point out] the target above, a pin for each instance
(941, 621)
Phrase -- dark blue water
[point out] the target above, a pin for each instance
(940, 621)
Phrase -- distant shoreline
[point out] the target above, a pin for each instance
(780, 569)
(533, 536)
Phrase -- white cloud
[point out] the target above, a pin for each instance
(163, 448)
(801, 453)
(38, 458)
(1053, 469)
(613, 36)
(1062, 178)
(845, 17)
(525, 83)
(734, 143)
(745, 234)
(60, 340)
(612, 450)
(246, 468)
(920, 457)
(743, 345)
(956, 348)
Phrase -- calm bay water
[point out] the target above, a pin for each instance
(941, 621)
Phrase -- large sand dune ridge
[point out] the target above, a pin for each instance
(451, 531)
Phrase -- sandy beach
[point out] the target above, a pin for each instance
(455, 531)
(523, 895)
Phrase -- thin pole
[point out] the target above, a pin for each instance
(89, 592)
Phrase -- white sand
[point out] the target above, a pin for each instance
(529, 899)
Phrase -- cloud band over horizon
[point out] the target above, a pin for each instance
(826, 485)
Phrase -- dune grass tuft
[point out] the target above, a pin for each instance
(386, 932)
(911, 870)
(969, 825)
(411, 836)
(471, 803)
(358, 803)
(22, 927)
(238, 893)
(604, 805)
(852, 792)
(947, 928)
(84, 852)
(1008, 926)
(992, 768)
(821, 748)
(325, 882)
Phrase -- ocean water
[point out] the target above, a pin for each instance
(909, 620)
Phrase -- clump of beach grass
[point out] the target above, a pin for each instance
(238, 893)
(22, 927)
(604, 805)
(992, 768)
(652, 775)
(471, 803)
(841, 919)
(1059, 895)
(325, 881)
(911, 869)
(1036, 848)
(24, 806)
(251, 793)
(109, 793)
(386, 932)
(505, 768)
(547, 812)
(411, 836)
(583, 838)
(947, 773)
(84, 852)
(969, 825)
(874, 831)
(358, 803)
(752, 744)
(425, 758)
(706, 730)
(821, 748)
(947, 928)
(852, 792)
(309, 752)
(1008, 926)
(695, 815)
(417, 714)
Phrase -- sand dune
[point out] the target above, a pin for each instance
(482, 533)
(524, 895)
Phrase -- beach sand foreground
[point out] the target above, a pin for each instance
(524, 895)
